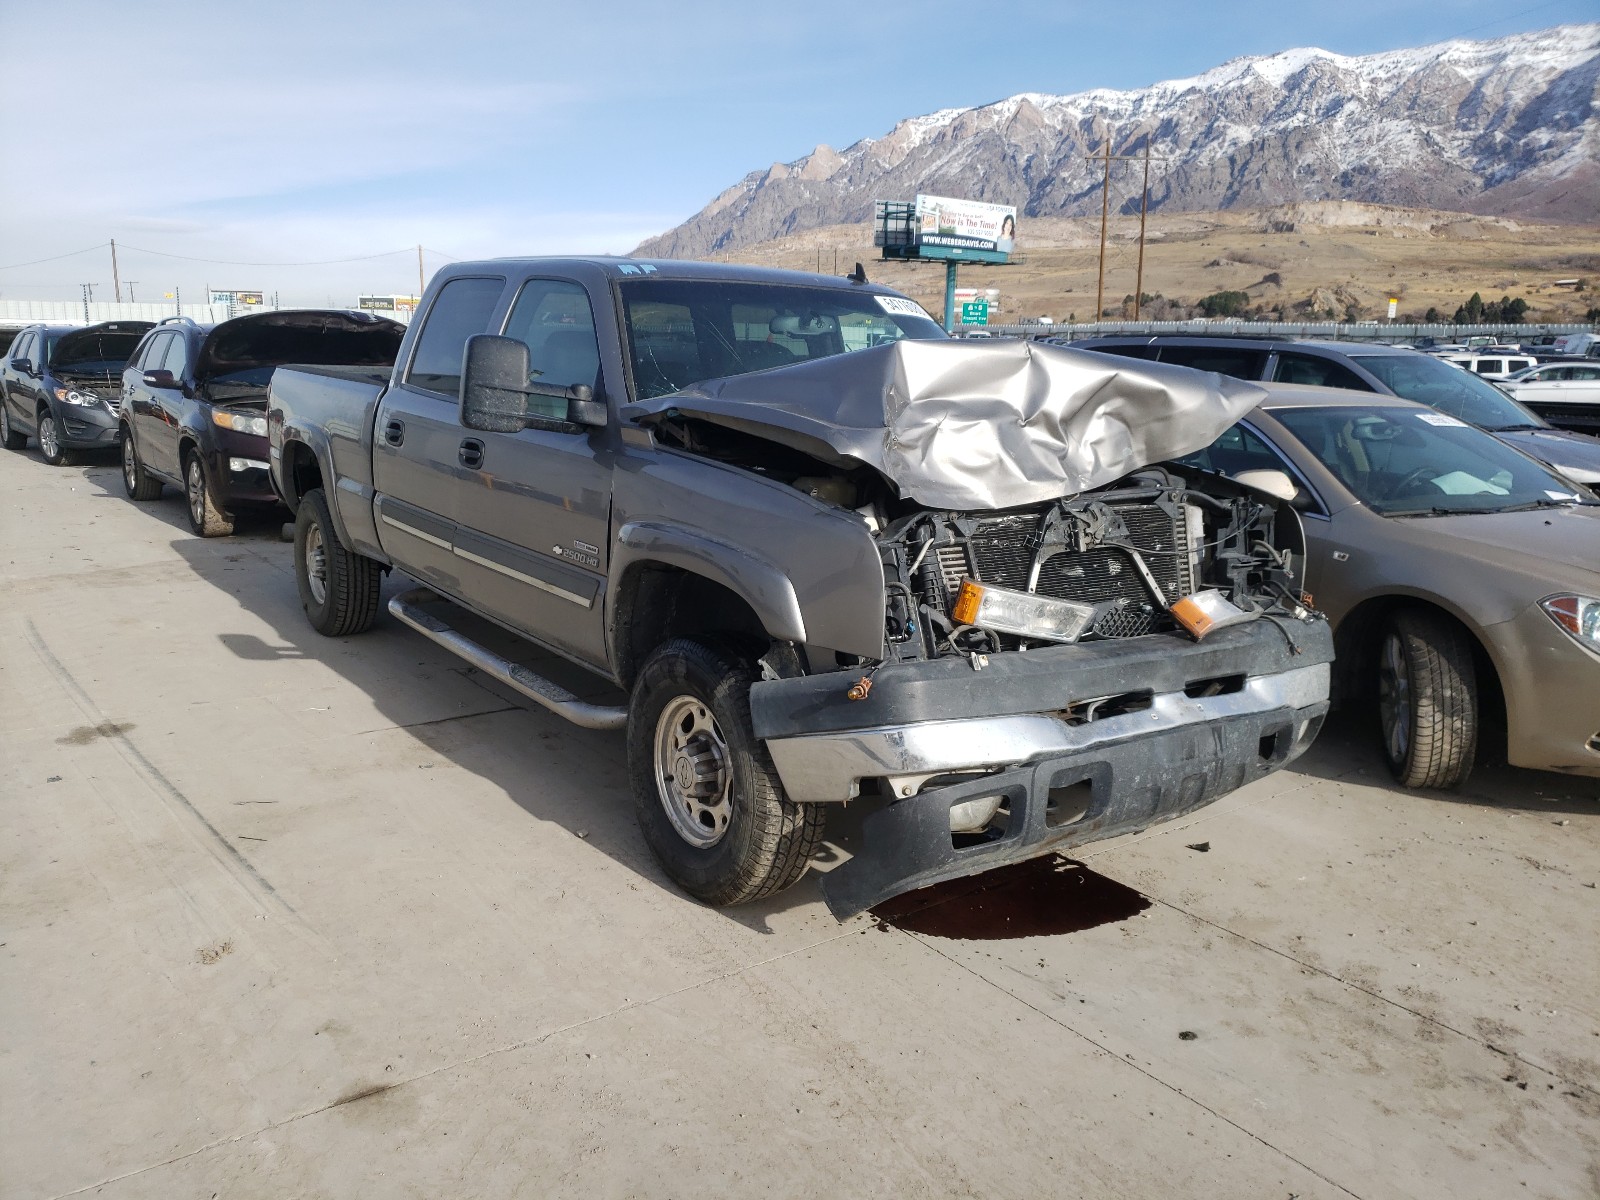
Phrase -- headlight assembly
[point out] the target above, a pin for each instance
(74, 396)
(1579, 616)
(239, 422)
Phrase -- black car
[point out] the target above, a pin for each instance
(194, 401)
(1371, 367)
(61, 384)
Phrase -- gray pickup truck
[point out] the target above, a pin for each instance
(830, 554)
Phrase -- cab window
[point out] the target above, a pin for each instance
(460, 310)
(553, 319)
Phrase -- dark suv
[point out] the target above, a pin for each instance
(194, 402)
(60, 383)
(1370, 367)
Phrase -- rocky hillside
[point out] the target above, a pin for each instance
(1508, 126)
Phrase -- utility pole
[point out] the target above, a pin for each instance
(116, 280)
(1106, 157)
(131, 282)
(420, 283)
(1105, 212)
(88, 295)
(1144, 204)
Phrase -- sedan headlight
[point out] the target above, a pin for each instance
(73, 396)
(1579, 616)
(239, 422)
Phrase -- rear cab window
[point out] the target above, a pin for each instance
(461, 310)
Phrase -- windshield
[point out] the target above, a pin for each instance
(684, 331)
(1449, 389)
(1406, 462)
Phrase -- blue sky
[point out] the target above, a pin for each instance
(294, 131)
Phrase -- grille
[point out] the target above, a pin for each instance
(1002, 551)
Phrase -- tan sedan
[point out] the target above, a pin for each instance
(1461, 576)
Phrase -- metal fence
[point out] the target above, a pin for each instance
(1329, 330)
(16, 313)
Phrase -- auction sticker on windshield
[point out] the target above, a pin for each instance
(901, 307)
(1433, 418)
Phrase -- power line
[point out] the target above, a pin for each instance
(220, 262)
(55, 257)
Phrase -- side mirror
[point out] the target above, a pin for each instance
(495, 390)
(160, 379)
(1273, 483)
(23, 365)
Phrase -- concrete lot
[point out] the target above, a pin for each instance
(285, 916)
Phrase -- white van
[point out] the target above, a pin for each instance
(1492, 366)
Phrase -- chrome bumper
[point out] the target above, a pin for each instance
(830, 766)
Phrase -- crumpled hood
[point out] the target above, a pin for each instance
(975, 425)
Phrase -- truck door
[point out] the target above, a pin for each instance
(533, 513)
(416, 444)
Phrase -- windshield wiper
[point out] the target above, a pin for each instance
(1541, 502)
(1517, 428)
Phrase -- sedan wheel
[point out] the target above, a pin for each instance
(1427, 700)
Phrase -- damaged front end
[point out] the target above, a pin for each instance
(1078, 641)
(1087, 710)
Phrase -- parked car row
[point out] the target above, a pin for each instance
(184, 403)
(1463, 581)
(1373, 368)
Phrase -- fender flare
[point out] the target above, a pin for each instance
(755, 580)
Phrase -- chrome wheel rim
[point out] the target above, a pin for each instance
(5, 421)
(47, 437)
(130, 463)
(197, 491)
(692, 772)
(1394, 698)
(316, 562)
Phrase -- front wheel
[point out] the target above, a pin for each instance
(205, 518)
(136, 481)
(338, 587)
(1427, 701)
(9, 436)
(50, 445)
(708, 799)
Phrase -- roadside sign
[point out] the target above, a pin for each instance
(1394, 307)
(975, 312)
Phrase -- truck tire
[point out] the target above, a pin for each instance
(50, 445)
(205, 518)
(136, 481)
(338, 587)
(707, 796)
(9, 436)
(1427, 701)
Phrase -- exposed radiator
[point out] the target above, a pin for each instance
(1002, 550)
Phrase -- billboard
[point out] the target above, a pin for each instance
(387, 303)
(246, 298)
(965, 224)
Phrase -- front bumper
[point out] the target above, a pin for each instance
(1061, 784)
(86, 427)
(243, 477)
(1552, 694)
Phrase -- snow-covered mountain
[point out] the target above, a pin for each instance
(1509, 126)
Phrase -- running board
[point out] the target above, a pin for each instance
(537, 688)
